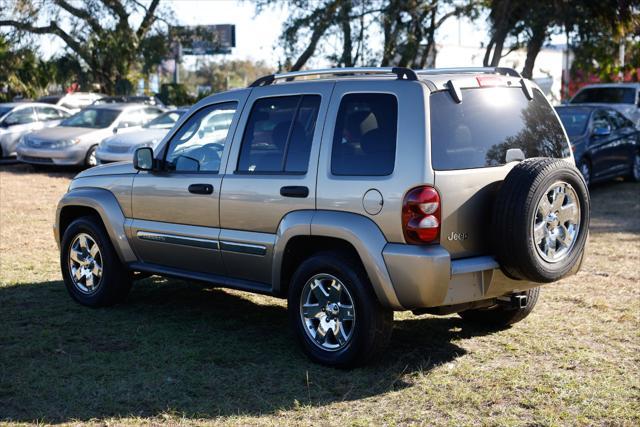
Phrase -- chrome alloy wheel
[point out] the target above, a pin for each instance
(92, 160)
(85, 263)
(327, 312)
(557, 222)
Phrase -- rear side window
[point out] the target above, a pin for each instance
(478, 132)
(364, 141)
(279, 135)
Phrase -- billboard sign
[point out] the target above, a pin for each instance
(204, 39)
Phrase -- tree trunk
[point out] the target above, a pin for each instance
(347, 45)
(538, 36)
(318, 31)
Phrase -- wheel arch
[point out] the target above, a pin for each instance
(102, 204)
(303, 233)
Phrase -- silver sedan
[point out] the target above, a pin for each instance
(75, 140)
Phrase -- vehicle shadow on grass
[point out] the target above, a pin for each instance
(184, 349)
(615, 207)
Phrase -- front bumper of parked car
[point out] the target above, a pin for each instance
(69, 156)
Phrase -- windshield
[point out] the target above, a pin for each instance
(606, 95)
(94, 118)
(164, 121)
(574, 120)
(478, 132)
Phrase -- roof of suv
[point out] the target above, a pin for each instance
(435, 78)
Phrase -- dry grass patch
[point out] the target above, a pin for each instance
(180, 353)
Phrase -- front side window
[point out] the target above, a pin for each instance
(197, 146)
(279, 135)
(479, 131)
(364, 141)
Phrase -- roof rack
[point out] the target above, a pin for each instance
(400, 72)
(465, 70)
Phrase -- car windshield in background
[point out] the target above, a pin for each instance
(574, 120)
(606, 95)
(465, 135)
(164, 121)
(95, 118)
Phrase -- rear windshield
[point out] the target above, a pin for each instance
(606, 95)
(478, 132)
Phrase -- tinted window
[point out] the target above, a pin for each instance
(478, 132)
(279, 134)
(21, 117)
(600, 119)
(364, 141)
(575, 120)
(607, 95)
(95, 118)
(197, 147)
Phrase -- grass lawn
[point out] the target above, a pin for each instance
(181, 353)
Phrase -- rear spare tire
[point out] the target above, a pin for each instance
(541, 220)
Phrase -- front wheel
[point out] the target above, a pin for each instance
(335, 313)
(91, 269)
(500, 317)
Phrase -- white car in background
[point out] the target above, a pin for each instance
(20, 118)
(624, 97)
(74, 141)
(73, 102)
(120, 147)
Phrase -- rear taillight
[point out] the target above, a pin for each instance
(421, 215)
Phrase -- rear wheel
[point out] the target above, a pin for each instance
(335, 313)
(500, 316)
(91, 269)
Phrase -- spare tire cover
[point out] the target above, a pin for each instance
(541, 220)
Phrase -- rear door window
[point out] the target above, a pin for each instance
(364, 140)
(489, 121)
(279, 135)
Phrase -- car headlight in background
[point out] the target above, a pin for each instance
(65, 143)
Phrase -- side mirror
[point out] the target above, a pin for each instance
(143, 159)
(601, 130)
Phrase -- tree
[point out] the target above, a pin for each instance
(98, 32)
(408, 28)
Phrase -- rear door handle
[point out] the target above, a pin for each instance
(201, 189)
(294, 191)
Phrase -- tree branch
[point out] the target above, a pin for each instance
(82, 14)
(148, 19)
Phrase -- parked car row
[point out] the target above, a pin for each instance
(602, 122)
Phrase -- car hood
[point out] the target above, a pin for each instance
(137, 137)
(59, 133)
(119, 168)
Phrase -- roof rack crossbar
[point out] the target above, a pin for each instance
(400, 72)
(463, 70)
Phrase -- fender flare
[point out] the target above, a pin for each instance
(108, 208)
(359, 231)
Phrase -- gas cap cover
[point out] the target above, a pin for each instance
(372, 202)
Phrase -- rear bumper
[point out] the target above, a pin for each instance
(426, 276)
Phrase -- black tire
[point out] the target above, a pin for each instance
(586, 171)
(373, 323)
(500, 317)
(90, 159)
(115, 281)
(515, 212)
